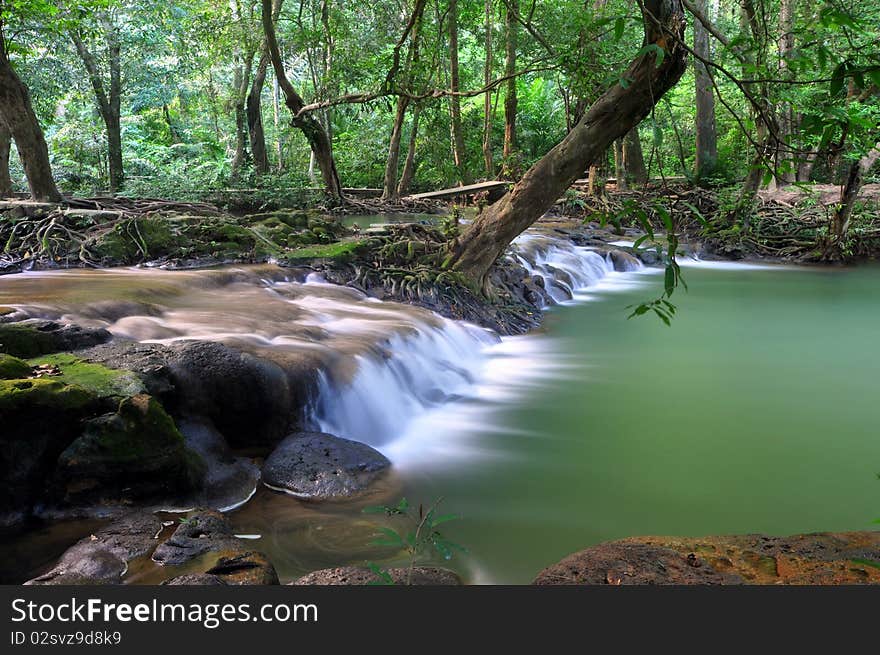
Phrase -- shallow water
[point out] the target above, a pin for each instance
(756, 411)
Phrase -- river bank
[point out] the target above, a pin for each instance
(196, 372)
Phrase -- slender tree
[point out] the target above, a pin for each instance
(706, 156)
(511, 26)
(458, 146)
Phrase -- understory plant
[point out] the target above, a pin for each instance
(419, 536)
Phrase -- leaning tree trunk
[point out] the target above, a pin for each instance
(848, 194)
(17, 115)
(312, 129)
(614, 114)
(5, 148)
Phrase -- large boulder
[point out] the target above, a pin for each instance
(104, 557)
(353, 575)
(319, 466)
(136, 453)
(815, 559)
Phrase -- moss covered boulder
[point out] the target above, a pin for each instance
(39, 419)
(12, 368)
(136, 453)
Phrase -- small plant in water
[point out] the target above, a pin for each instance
(419, 538)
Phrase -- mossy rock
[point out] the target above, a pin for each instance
(38, 420)
(339, 252)
(135, 453)
(98, 379)
(46, 394)
(12, 368)
(27, 339)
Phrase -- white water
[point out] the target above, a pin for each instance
(425, 398)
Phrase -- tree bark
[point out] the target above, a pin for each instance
(253, 109)
(5, 148)
(786, 163)
(634, 158)
(620, 166)
(706, 159)
(409, 166)
(614, 114)
(487, 100)
(510, 99)
(241, 82)
(17, 115)
(389, 186)
(108, 99)
(848, 195)
(315, 134)
(458, 148)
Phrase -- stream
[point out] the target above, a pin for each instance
(754, 412)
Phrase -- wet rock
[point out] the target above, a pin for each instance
(246, 398)
(195, 579)
(103, 558)
(244, 568)
(624, 261)
(824, 559)
(136, 453)
(353, 575)
(228, 480)
(320, 466)
(202, 532)
(39, 419)
(35, 337)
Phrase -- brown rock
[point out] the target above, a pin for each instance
(353, 575)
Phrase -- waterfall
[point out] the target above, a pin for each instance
(411, 396)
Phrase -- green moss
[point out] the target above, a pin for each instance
(339, 251)
(47, 393)
(98, 379)
(12, 368)
(24, 341)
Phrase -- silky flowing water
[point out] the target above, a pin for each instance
(755, 412)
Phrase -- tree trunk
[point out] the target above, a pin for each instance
(458, 150)
(706, 159)
(5, 148)
(620, 166)
(389, 186)
(253, 109)
(241, 82)
(848, 194)
(409, 166)
(487, 100)
(510, 100)
(109, 99)
(634, 158)
(786, 164)
(17, 115)
(314, 132)
(614, 114)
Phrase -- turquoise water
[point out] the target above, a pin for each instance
(757, 411)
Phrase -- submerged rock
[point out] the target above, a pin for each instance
(816, 559)
(319, 466)
(136, 453)
(103, 557)
(206, 538)
(202, 532)
(353, 575)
